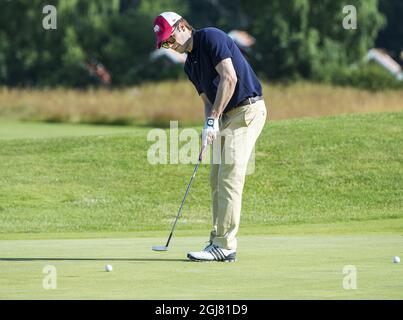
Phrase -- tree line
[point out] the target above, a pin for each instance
(294, 38)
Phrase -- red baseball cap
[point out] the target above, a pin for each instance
(163, 26)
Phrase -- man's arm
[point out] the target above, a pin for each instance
(207, 105)
(226, 87)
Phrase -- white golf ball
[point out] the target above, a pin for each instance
(108, 268)
(396, 259)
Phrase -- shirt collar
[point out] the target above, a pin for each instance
(196, 40)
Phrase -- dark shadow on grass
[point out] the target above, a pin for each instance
(93, 259)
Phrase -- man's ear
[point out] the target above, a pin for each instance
(182, 27)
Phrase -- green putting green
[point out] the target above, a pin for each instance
(268, 267)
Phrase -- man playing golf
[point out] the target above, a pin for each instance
(235, 114)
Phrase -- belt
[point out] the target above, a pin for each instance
(246, 102)
(249, 101)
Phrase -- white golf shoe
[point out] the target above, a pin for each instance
(213, 253)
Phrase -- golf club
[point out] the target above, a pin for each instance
(165, 248)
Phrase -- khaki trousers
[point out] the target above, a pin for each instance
(239, 130)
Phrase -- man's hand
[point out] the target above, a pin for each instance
(210, 131)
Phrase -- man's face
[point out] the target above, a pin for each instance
(179, 39)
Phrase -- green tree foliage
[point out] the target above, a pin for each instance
(224, 14)
(306, 38)
(26, 51)
(119, 35)
(370, 76)
(295, 38)
(391, 37)
(152, 8)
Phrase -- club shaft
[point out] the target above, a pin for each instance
(169, 239)
(186, 193)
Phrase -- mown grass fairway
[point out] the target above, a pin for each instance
(38, 130)
(326, 193)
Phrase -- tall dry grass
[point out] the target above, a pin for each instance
(316, 100)
(158, 103)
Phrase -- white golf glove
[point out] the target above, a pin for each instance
(210, 131)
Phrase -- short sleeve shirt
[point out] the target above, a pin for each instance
(210, 47)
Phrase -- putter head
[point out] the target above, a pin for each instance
(160, 248)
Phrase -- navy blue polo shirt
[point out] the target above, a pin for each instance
(211, 46)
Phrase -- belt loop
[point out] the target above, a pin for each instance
(250, 100)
